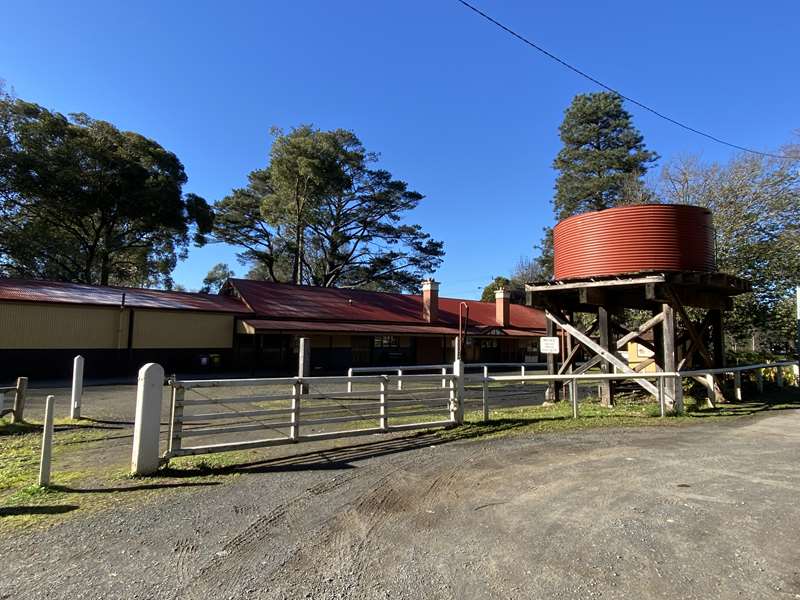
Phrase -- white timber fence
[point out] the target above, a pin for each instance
(444, 369)
(669, 388)
(17, 406)
(209, 416)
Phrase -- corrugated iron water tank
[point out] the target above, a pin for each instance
(631, 239)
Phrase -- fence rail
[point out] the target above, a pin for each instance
(301, 409)
(444, 368)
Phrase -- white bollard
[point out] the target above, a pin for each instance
(77, 388)
(47, 443)
(148, 419)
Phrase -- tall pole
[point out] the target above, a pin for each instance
(797, 322)
(797, 332)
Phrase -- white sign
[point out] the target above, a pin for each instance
(549, 345)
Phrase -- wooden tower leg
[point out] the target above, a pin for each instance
(668, 333)
(606, 386)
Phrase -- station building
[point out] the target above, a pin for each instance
(250, 328)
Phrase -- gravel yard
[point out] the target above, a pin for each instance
(707, 510)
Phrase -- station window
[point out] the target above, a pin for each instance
(386, 341)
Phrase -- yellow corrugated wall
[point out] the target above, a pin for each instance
(174, 329)
(26, 325)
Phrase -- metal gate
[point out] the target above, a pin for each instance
(235, 414)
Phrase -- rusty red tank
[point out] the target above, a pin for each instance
(632, 239)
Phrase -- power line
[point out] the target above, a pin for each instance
(610, 89)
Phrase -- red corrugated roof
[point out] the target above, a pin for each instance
(26, 290)
(298, 302)
(284, 303)
(276, 326)
(279, 325)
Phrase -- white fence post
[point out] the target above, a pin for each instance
(297, 392)
(144, 459)
(399, 379)
(737, 384)
(522, 372)
(47, 443)
(485, 390)
(18, 414)
(349, 382)
(573, 391)
(384, 416)
(662, 401)
(304, 361)
(77, 388)
(176, 418)
(444, 381)
(457, 393)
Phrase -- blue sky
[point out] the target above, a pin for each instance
(463, 112)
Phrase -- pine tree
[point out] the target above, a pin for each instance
(603, 157)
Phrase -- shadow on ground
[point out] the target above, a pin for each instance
(16, 511)
(334, 459)
(131, 488)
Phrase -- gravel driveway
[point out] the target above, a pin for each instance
(702, 511)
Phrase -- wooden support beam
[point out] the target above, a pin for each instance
(646, 326)
(606, 387)
(591, 363)
(573, 353)
(659, 292)
(644, 364)
(717, 337)
(698, 341)
(604, 354)
(668, 340)
(690, 327)
(553, 393)
(593, 296)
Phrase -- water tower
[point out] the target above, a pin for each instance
(657, 258)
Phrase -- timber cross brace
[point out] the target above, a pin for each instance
(684, 330)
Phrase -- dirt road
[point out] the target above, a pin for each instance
(706, 511)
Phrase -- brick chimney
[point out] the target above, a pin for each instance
(502, 301)
(430, 300)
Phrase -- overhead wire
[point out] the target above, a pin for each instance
(607, 87)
